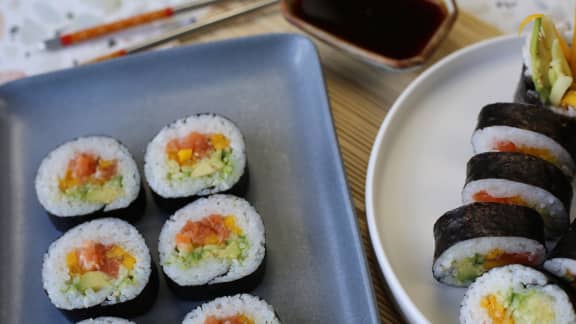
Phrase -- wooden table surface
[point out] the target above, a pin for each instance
(360, 96)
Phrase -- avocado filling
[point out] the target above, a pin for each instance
(95, 266)
(524, 305)
(91, 179)
(213, 237)
(234, 319)
(550, 64)
(199, 155)
(467, 269)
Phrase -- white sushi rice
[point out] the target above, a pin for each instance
(222, 307)
(554, 215)
(106, 231)
(54, 166)
(212, 270)
(516, 278)
(106, 320)
(156, 165)
(484, 140)
(442, 267)
(560, 266)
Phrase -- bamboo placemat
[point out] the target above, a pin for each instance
(360, 96)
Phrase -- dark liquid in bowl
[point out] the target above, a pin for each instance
(395, 28)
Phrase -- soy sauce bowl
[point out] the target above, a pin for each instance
(389, 56)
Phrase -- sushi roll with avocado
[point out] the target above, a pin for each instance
(195, 156)
(102, 267)
(106, 320)
(528, 129)
(475, 238)
(86, 178)
(515, 294)
(213, 246)
(549, 66)
(520, 179)
(241, 309)
(562, 260)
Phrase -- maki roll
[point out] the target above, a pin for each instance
(528, 129)
(242, 309)
(213, 246)
(475, 238)
(102, 267)
(548, 69)
(520, 179)
(106, 320)
(195, 156)
(562, 260)
(86, 178)
(515, 294)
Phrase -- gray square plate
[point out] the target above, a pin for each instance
(272, 87)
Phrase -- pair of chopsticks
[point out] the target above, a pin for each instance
(97, 31)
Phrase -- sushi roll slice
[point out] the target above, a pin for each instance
(243, 308)
(547, 76)
(102, 267)
(106, 320)
(562, 260)
(515, 294)
(520, 179)
(213, 246)
(528, 129)
(475, 238)
(195, 156)
(86, 178)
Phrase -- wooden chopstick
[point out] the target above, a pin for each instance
(122, 24)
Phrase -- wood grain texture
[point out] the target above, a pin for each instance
(360, 96)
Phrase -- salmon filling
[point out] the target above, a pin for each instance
(92, 179)
(95, 265)
(468, 269)
(235, 319)
(484, 196)
(507, 146)
(214, 236)
(198, 155)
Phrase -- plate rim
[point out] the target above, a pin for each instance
(402, 300)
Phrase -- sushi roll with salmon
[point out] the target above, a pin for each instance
(515, 294)
(521, 179)
(213, 246)
(549, 67)
(528, 129)
(475, 238)
(562, 260)
(106, 320)
(241, 309)
(195, 156)
(100, 268)
(86, 178)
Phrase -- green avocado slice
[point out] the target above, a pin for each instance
(540, 59)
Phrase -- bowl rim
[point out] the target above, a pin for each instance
(369, 56)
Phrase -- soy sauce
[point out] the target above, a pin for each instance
(395, 28)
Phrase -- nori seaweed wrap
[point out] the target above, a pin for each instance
(474, 238)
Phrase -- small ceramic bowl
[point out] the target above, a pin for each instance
(451, 11)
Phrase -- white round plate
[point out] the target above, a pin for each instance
(418, 166)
